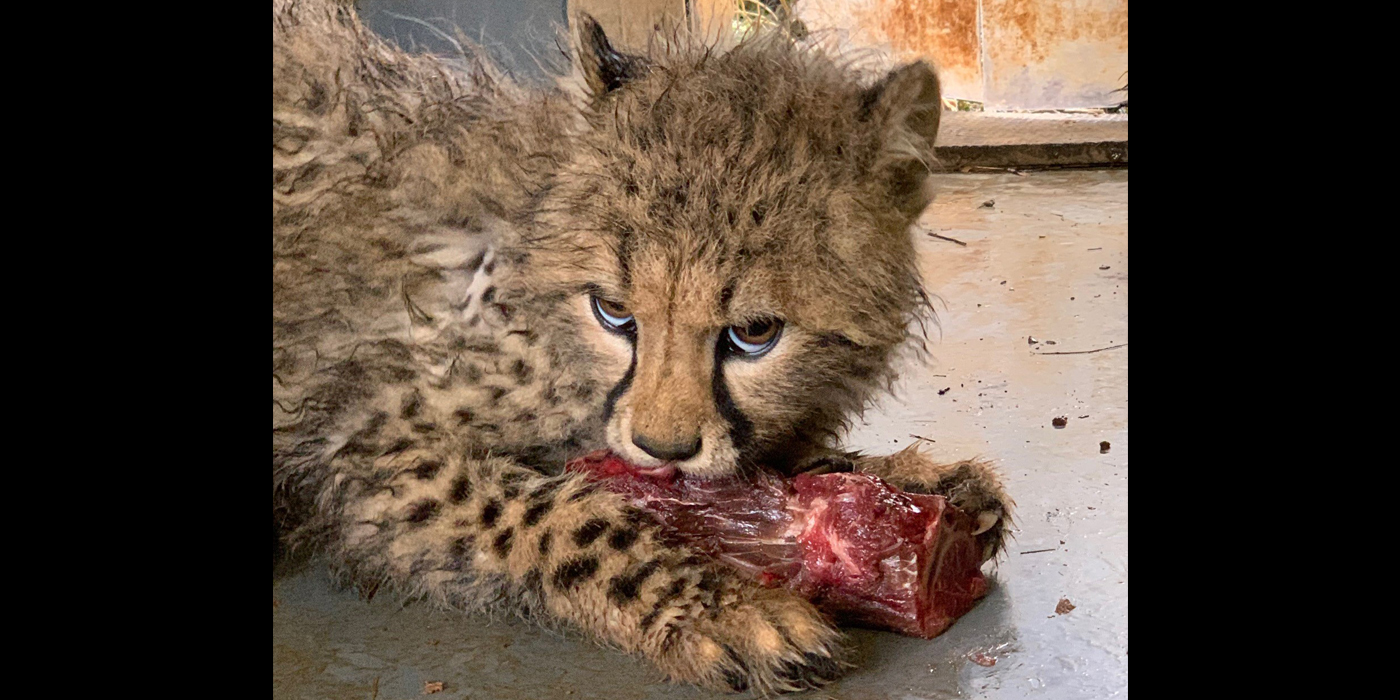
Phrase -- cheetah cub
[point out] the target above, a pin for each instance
(699, 260)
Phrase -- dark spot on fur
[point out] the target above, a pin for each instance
(625, 588)
(316, 97)
(735, 672)
(546, 540)
(636, 517)
(424, 427)
(458, 551)
(470, 373)
(710, 584)
(623, 538)
(530, 336)
(590, 531)
(726, 295)
(401, 374)
(497, 392)
(489, 295)
(813, 671)
(503, 542)
(537, 458)
(709, 581)
(674, 590)
(521, 371)
(412, 404)
(491, 513)
(510, 483)
(575, 571)
(534, 513)
(461, 488)
(421, 511)
(579, 494)
(427, 470)
(692, 560)
(464, 416)
(544, 490)
(491, 267)
(399, 445)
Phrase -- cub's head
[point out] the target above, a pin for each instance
(732, 235)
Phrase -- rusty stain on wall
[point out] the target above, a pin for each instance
(1053, 53)
(1011, 54)
(943, 28)
(942, 32)
(1031, 28)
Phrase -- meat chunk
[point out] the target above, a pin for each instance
(861, 550)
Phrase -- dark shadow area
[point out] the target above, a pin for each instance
(522, 37)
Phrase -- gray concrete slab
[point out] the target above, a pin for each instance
(1024, 140)
(1047, 259)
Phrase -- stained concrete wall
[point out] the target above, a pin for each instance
(1010, 54)
(1054, 53)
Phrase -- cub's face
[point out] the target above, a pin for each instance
(732, 242)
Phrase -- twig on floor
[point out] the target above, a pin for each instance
(1037, 551)
(374, 689)
(1082, 352)
(945, 238)
(1013, 171)
(920, 437)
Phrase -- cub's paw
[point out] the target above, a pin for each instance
(972, 485)
(976, 490)
(739, 637)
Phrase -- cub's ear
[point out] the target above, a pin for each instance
(904, 108)
(604, 68)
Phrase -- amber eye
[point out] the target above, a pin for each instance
(613, 316)
(756, 338)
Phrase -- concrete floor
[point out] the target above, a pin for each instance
(1049, 260)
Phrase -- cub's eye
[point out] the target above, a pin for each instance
(756, 338)
(614, 316)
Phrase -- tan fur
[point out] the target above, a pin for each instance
(437, 239)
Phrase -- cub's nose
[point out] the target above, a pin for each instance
(667, 452)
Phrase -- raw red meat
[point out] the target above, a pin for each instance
(855, 546)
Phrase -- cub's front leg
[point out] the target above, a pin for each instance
(468, 531)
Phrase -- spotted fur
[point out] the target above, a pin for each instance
(438, 236)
